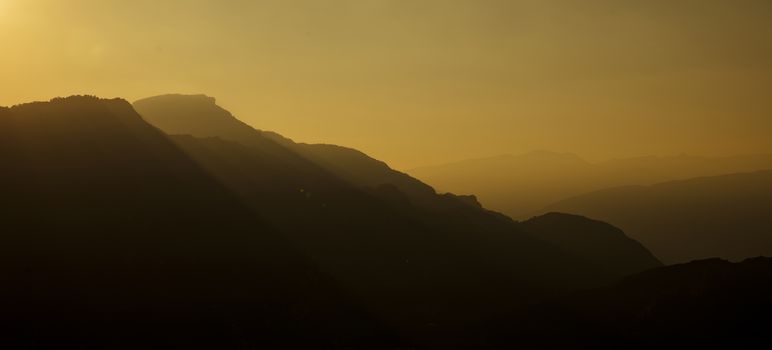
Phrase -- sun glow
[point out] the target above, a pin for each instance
(5, 10)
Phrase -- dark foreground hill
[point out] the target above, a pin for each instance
(113, 238)
(116, 235)
(728, 216)
(707, 304)
(594, 240)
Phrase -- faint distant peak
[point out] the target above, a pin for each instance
(539, 156)
(545, 154)
(201, 98)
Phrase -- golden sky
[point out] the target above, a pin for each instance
(418, 82)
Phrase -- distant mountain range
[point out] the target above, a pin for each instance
(116, 234)
(728, 216)
(521, 186)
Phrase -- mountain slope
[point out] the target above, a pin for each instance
(594, 240)
(199, 116)
(725, 216)
(522, 185)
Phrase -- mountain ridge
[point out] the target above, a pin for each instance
(118, 234)
(683, 220)
(347, 163)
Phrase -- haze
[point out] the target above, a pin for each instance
(448, 79)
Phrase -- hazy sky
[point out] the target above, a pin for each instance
(417, 82)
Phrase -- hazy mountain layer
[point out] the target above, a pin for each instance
(523, 185)
(726, 216)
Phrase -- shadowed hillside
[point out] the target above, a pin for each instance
(594, 240)
(724, 216)
(522, 185)
(113, 237)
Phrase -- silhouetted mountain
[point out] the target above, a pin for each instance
(724, 216)
(711, 304)
(364, 172)
(446, 221)
(522, 185)
(593, 240)
(114, 238)
(116, 233)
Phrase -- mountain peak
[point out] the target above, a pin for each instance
(197, 115)
(81, 109)
(80, 100)
(200, 116)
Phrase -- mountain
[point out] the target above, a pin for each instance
(522, 185)
(593, 240)
(170, 113)
(116, 234)
(113, 237)
(724, 216)
(706, 304)
(460, 243)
